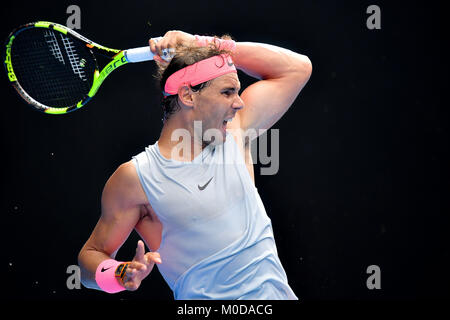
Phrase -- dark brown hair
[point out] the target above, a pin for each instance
(185, 56)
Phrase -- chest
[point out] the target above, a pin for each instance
(201, 192)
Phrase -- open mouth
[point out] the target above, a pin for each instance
(225, 123)
(224, 126)
(227, 120)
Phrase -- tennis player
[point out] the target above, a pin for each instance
(191, 195)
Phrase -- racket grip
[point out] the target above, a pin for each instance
(139, 54)
(145, 54)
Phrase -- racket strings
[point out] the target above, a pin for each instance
(53, 69)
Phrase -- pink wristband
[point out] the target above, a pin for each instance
(224, 44)
(105, 276)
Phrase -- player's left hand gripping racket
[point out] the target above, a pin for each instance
(55, 70)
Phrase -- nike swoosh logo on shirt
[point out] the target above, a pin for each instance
(203, 187)
(103, 269)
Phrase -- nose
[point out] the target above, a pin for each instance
(238, 103)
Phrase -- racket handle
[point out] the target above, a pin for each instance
(138, 54)
(145, 54)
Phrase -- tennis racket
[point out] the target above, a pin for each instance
(54, 69)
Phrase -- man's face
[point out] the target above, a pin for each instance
(217, 104)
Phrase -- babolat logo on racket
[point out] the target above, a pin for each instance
(9, 68)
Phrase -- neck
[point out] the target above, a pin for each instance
(180, 140)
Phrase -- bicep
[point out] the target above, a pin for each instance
(120, 212)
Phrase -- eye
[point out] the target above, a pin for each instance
(229, 92)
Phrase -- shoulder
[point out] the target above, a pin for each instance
(124, 176)
(124, 188)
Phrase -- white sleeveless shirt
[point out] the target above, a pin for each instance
(217, 240)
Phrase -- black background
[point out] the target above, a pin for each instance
(364, 150)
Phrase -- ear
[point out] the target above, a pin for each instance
(186, 96)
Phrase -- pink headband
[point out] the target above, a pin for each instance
(199, 72)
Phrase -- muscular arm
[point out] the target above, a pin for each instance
(283, 75)
(121, 204)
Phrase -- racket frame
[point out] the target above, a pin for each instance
(118, 59)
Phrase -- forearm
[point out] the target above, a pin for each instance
(89, 260)
(264, 61)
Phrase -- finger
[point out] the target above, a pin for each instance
(131, 285)
(133, 276)
(137, 266)
(140, 251)
(156, 45)
(153, 257)
(131, 272)
(152, 43)
(172, 44)
(161, 46)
